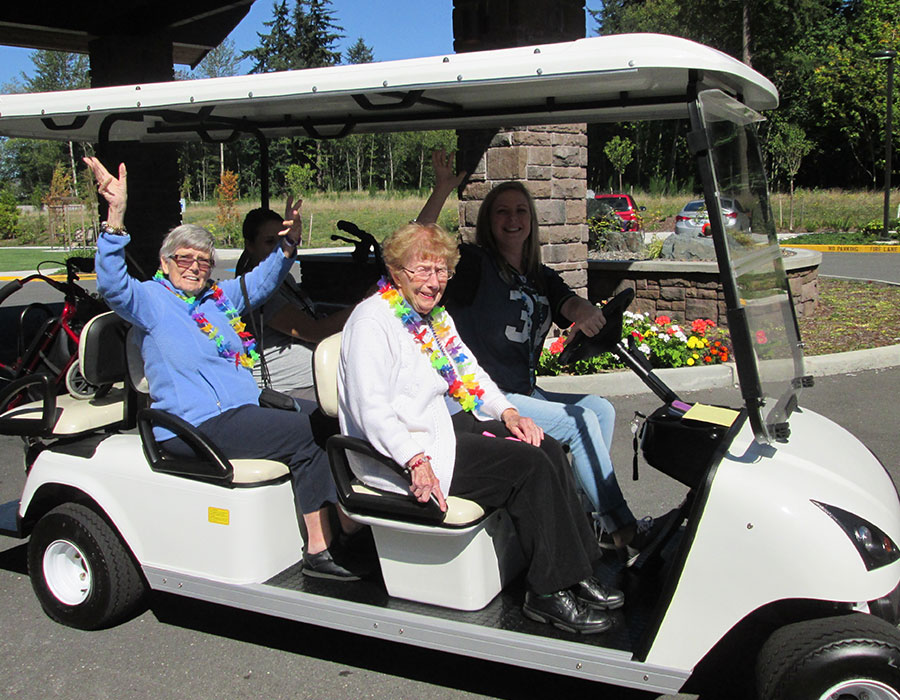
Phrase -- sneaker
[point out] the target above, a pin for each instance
(563, 610)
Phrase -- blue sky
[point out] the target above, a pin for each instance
(393, 28)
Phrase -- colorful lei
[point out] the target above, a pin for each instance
(248, 357)
(443, 352)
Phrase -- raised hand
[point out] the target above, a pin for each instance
(293, 223)
(445, 177)
(114, 190)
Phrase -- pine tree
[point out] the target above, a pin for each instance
(57, 70)
(360, 52)
(316, 34)
(276, 49)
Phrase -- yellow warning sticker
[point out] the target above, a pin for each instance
(218, 516)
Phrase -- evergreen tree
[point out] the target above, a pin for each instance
(316, 34)
(220, 62)
(276, 49)
(360, 52)
(57, 70)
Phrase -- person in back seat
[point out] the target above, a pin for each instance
(197, 359)
(290, 325)
(408, 385)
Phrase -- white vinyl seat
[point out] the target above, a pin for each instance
(244, 472)
(459, 559)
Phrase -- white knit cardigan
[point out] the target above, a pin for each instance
(390, 395)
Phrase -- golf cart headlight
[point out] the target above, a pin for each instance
(873, 545)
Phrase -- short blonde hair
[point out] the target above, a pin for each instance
(428, 241)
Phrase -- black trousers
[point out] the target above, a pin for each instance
(535, 487)
(253, 432)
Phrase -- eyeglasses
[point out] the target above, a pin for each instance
(423, 274)
(184, 262)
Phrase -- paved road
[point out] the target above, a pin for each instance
(883, 267)
(185, 649)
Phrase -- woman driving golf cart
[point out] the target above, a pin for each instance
(410, 387)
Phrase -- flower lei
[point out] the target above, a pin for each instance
(248, 357)
(443, 352)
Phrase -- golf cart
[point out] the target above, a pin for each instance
(783, 555)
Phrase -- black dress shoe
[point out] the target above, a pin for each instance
(563, 610)
(323, 565)
(593, 593)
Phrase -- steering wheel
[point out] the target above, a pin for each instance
(581, 346)
(365, 241)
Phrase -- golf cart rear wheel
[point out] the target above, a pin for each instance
(854, 657)
(81, 572)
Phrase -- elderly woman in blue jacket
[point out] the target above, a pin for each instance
(197, 358)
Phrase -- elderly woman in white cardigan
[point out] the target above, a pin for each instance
(409, 386)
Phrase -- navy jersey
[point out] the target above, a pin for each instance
(504, 325)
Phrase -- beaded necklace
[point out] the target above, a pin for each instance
(443, 351)
(248, 357)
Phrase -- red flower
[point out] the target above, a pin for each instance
(663, 320)
(556, 346)
(761, 337)
(637, 336)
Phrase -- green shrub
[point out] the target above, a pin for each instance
(9, 213)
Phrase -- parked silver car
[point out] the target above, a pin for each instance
(693, 218)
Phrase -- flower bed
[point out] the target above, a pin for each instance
(664, 342)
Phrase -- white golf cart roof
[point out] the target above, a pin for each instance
(611, 78)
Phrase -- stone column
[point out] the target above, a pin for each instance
(153, 200)
(551, 160)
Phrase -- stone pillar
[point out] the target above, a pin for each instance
(551, 160)
(153, 178)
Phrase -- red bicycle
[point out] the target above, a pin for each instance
(47, 343)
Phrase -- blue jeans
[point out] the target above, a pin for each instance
(585, 423)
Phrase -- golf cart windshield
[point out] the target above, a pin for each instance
(761, 316)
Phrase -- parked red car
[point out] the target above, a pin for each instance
(624, 206)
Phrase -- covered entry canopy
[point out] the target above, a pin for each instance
(612, 78)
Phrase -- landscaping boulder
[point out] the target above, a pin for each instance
(688, 247)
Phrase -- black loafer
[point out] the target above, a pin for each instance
(323, 565)
(593, 593)
(563, 610)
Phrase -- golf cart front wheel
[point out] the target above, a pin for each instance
(80, 570)
(853, 657)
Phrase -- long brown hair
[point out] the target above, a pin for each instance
(531, 253)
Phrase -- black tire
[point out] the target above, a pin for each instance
(80, 570)
(849, 657)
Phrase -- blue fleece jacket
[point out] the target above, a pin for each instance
(186, 374)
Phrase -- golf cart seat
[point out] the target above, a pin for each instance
(459, 559)
(101, 362)
(208, 464)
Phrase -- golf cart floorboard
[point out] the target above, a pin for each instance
(505, 611)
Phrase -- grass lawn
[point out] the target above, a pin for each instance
(28, 259)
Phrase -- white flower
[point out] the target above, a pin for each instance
(663, 337)
(654, 328)
(644, 348)
(681, 336)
